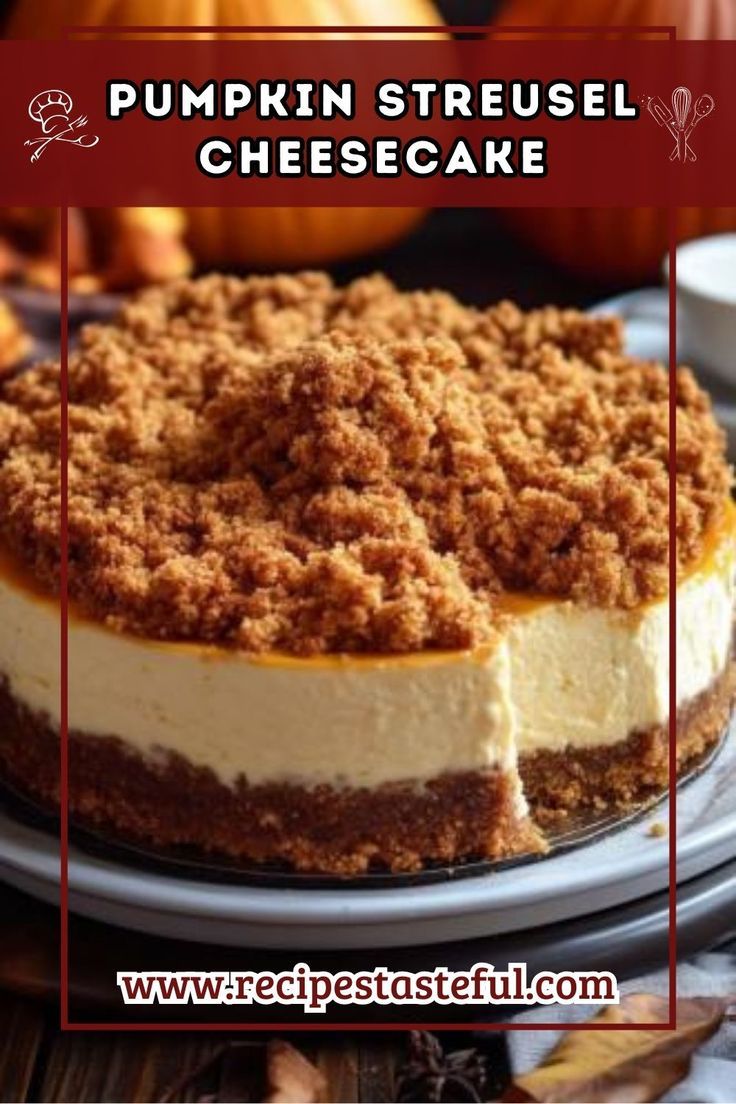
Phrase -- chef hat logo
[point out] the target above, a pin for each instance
(52, 110)
(49, 107)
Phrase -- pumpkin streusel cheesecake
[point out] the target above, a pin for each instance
(358, 578)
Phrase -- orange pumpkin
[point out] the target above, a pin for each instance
(27, 21)
(612, 243)
(618, 243)
(292, 237)
(262, 237)
(692, 18)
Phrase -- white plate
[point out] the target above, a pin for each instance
(622, 867)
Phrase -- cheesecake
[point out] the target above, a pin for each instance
(358, 578)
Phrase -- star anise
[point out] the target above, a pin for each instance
(429, 1074)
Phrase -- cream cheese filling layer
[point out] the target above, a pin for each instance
(357, 722)
(560, 675)
(586, 677)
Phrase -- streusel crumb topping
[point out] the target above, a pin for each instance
(280, 464)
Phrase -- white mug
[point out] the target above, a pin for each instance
(706, 302)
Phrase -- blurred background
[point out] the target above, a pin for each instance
(582, 257)
(572, 255)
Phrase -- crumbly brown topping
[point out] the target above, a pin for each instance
(281, 464)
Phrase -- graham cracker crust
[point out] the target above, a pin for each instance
(558, 782)
(168, 802)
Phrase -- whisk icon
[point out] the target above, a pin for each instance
(680, 121)
(681, 100)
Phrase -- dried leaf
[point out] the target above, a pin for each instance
(214, 1069)
(145, 245)
(291, 1079)
(15, 343)
(79, 247)
(610, 1067)
(188, 1080)
(10, 260)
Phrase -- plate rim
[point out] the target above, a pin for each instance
(34, 852)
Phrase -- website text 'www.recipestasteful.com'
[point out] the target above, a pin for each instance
(313, 991)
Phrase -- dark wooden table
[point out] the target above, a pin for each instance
(40, 1063)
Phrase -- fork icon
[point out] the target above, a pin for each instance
(85, 140)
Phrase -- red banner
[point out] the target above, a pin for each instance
(603, 123)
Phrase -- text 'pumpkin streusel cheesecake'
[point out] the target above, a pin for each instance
(359, 578)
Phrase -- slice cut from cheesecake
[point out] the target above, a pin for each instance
(337, 763)
(328, 763)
